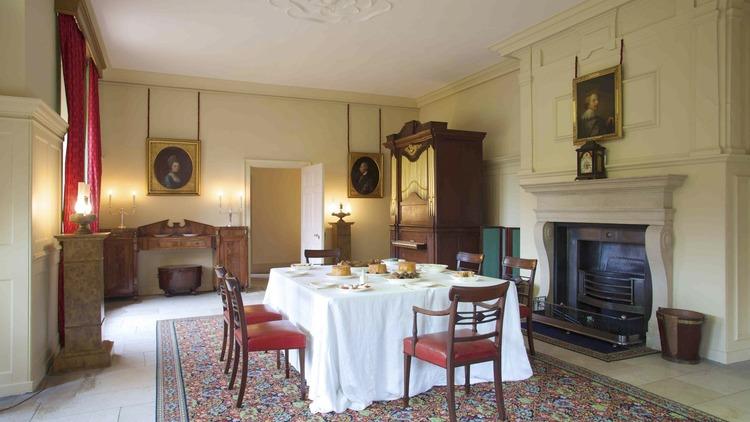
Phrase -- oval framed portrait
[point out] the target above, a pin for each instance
(173, 167)
(365, 178)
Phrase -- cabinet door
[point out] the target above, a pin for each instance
(417, 188)
(119, 267)
(232, 253)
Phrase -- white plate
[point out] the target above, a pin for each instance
(404, 280)
(162, 235)
(339, 277)
(357, 290)
(432, 268)
(190, 234)
(295, 273)
(422, 285)
(322, 284)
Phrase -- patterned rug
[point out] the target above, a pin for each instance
(588, 346)
(191, 387)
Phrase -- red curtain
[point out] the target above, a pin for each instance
(73, 55)
(94, 144)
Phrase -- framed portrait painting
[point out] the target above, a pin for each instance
(365, 175)
(173, 166)
(597, 104)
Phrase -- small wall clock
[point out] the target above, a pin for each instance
(590, 159)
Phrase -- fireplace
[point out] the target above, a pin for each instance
(601, 283)
(619, 233)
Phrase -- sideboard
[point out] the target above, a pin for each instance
(121, 248)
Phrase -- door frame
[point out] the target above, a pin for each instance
(247, 218)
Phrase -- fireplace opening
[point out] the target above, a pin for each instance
(601, 283)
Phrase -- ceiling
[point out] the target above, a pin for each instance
(401, 47)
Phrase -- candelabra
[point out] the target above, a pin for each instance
(121, 211)
(229, 210)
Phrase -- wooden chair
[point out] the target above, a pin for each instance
(254, 314)
(323, 253)
(455, 347)
(466, 261)
(525, 288)
(265, 336)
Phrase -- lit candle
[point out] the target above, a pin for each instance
(109, 194)
(348, 208)
(241, 201)
(220, 194)
(133, 199)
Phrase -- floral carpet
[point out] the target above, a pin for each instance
(191, 386)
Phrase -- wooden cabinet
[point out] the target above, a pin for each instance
(120, 263)
(436, 192)
(231, 252)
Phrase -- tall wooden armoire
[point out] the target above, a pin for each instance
(436, 192)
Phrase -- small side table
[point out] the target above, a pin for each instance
(180, 279)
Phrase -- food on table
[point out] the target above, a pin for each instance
(355, 286)
(407, 267)
(404, 275)
(341, 270)
(464, 274)
(377, 268)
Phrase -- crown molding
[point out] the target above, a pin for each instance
(557, 23)
(506, 66)
(87, 24)
(151, 79)
(33, 109)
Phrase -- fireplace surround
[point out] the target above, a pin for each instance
(644, 202)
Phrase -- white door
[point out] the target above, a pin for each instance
(312, 229)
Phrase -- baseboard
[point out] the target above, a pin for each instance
(15, 389)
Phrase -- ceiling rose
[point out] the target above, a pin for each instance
(333, 11)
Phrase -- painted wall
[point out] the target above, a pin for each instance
(235, 127)
(276, 215)
(28, 47)
(492, 107)
(680, 117)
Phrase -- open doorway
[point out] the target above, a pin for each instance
(279, 195)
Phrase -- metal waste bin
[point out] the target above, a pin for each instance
(680, 334)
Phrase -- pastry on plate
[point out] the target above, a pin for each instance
(407, 267)
(341, 270)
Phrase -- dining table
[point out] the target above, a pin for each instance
(354, 353)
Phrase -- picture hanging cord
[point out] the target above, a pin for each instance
(199, 116)
(148, 114)
(622, 48)
(348, 148)
(380, 130)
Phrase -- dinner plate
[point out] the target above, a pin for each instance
(422, 285)
(348, 288)
(322, 284)
(432, 268)
(190, 234)
(162, 235)
(404, 280)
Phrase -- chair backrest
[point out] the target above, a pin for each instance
(469, 261)
(323, 253)
(234, 292)
(524, 282)
(482, 312)
(221, 273)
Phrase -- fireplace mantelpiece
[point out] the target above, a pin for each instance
(633, 200)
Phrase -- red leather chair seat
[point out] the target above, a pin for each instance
(255, 314)
(524, 311)
(433, 348)
(274, 335)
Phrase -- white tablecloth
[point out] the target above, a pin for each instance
(355, 351)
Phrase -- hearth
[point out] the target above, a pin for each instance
(601, 284)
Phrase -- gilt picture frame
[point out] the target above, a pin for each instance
(597, 106)
(173, 166)
(365, 175)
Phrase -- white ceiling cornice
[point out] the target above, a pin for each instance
(495, 71)
(557, 23)
(135, 77)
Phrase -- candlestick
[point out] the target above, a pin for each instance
(229, 209)
(121, 211)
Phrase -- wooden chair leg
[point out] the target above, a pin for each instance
(224, 341)
(286, 362)
(451, 393)
(278, 359)
(467, 379)
(407, 373)
(229, 355)
(530, 334)
(499, 401)
(234, 365)
(303, 382)
(243, 377)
